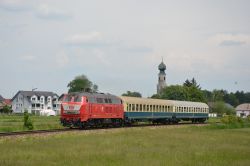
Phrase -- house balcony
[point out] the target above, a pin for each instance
(35, 101)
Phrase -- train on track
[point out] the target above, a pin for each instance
(84, 109)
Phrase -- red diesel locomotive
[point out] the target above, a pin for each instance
(83, 109)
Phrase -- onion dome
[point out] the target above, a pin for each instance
(162, 66)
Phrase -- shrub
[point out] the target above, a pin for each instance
(230, 119)
(27, 121)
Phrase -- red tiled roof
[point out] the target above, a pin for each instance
(7, 101)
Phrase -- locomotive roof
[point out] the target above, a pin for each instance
(163, 102)
(96, 95)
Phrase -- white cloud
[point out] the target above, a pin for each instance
(14, 5)
(224, 39)
(46, 12)
(92, 38)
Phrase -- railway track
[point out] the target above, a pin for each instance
(32, 132)
(18, 133)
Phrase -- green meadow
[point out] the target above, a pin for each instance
(10, 123)
(162, 145)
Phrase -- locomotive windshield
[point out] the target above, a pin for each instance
(72, 98)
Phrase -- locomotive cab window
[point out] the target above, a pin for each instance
(99, 100)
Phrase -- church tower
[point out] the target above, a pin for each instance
(161, 77)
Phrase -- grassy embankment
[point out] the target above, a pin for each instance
(162, 145)
(15, 123)
(165, 145)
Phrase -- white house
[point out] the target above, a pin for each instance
(243, 110)
(35, 102)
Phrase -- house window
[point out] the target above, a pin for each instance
(33, 99)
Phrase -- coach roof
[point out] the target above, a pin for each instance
(137, 100)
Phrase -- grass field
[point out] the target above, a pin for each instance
(167, 145)
(15, 123)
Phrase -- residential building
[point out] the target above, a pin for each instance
(35, 101)
(243, 110)
(4, 102)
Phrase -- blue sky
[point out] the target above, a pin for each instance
(118, 44)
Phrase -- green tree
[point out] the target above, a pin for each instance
(7, 109)
(240, 96)
(221, 108)
(132, 94)
(27, 121)
(231, 99)
(81, 83)
(218, 95)
(174, 92)
(207, 95)
(191, 82)
(195, 94)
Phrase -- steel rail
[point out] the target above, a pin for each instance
(18, 133)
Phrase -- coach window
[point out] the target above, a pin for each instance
(153, 108)
(133, 107)
(129, 107)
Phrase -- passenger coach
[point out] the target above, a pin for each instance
(163, 111)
